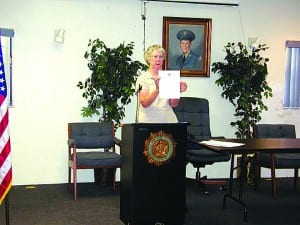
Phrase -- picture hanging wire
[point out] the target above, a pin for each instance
(143, 9)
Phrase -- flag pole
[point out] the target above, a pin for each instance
(7, 209)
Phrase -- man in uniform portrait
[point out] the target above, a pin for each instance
(188, 60)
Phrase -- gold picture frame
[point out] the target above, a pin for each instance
(198, 31)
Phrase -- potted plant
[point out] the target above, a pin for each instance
(243, 81)
(109, 87)
(111, 83)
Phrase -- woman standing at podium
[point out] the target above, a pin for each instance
(151, 108)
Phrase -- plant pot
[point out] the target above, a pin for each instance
(103, 176)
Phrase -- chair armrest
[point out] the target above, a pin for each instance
(71, 142)
(117, 141)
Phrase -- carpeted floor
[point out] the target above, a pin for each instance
(99, 205)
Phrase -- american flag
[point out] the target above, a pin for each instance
(5, 159)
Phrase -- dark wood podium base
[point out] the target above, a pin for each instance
(152, 193)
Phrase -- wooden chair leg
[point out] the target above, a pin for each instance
(69, 179)
(75, 184)
(114, 178)
(273, 176)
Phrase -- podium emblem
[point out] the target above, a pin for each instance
(159, 148)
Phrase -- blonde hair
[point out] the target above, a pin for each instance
(151, 49)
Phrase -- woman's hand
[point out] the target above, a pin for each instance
(183, 86)
(173, 102)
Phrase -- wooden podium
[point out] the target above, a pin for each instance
(153, 174)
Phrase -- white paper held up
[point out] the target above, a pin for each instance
(169, 84)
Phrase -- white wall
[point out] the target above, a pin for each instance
(45, 73)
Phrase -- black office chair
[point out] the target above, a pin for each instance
(196, 112)
(279, 160)
(96, 144)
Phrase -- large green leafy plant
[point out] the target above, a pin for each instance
(243, 80)
(111, 84)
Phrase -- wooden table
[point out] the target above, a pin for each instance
(266, 145)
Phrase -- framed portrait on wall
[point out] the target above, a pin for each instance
(187, 42)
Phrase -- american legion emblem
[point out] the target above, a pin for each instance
(159, 148)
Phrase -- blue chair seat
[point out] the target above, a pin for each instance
(205, 156)
(98, 159)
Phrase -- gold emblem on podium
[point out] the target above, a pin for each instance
(159, 148)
